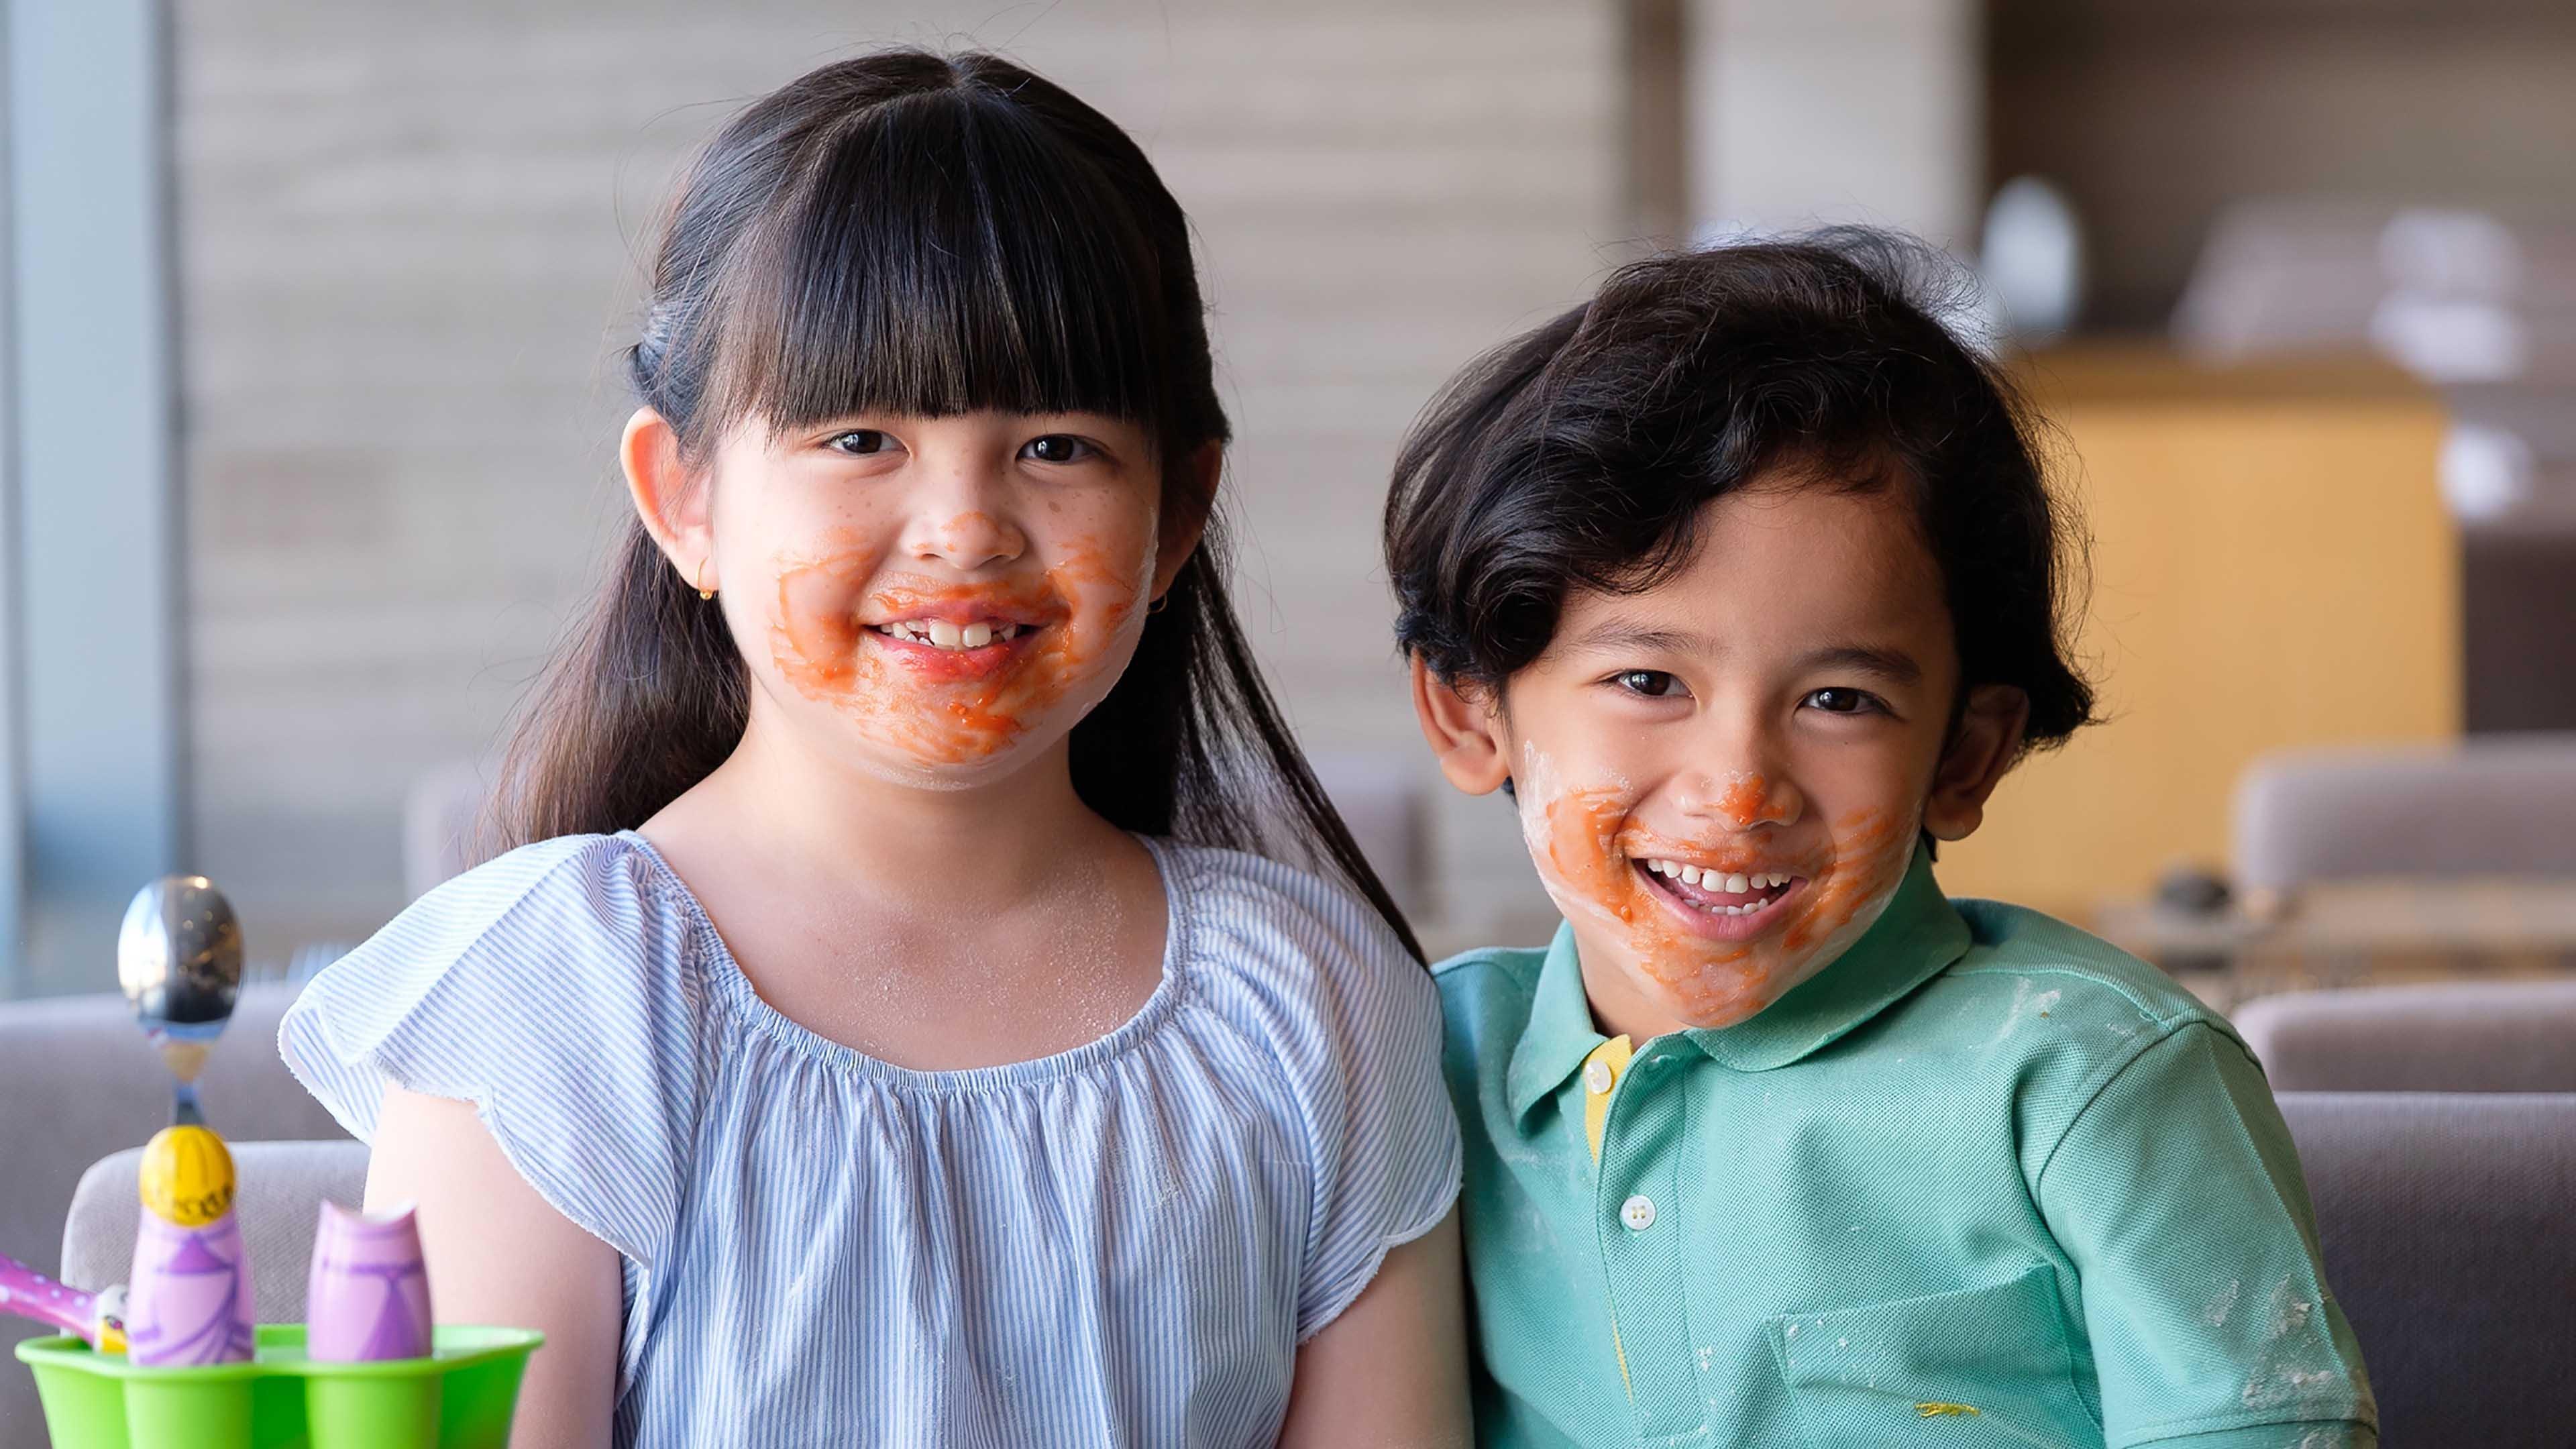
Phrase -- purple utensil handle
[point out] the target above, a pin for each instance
(368, 1298)
(190, 1302)
(30, 1294)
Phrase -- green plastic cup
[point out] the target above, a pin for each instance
(460, 1397)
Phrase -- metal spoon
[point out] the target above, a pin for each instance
(179, 958)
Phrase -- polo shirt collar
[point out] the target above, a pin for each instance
(1913, 939)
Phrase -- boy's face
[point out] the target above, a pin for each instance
(1722, 779)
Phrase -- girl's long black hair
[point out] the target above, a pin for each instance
(931, 235)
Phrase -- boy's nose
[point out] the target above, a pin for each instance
(1744, 799)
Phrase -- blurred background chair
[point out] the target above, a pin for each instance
(282, 1188)
(2444, 1219)
(2465, 1036)
(2500, 805)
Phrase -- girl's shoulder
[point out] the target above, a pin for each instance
(579, 929)
(1271, 940)
(605, 892)
(557, 990)
(1269, 912)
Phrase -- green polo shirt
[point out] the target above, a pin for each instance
(1982, 1180)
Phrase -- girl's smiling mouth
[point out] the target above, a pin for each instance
(959, 637)
(1717, 904)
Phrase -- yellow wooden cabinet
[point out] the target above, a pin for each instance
(2272, 565)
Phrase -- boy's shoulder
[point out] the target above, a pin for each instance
(2049, 966)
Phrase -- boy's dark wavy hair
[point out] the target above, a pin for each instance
(929, 234)
(1581, 454)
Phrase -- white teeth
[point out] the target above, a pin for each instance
(944, 634)
(1722, 881)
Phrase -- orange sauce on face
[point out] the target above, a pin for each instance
(1589, 852)
(1744, 799)
(822, 650)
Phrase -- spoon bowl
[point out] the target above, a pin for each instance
(179, 959)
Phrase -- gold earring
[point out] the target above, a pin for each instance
(701, 581)
(1160, 603)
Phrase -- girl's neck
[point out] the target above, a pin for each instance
(778, 800)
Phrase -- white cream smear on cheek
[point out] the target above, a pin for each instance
(1539, 788)
(1830, 949)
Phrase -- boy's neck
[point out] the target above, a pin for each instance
(1619, 1009)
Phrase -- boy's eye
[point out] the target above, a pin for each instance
(1652, 683)
(859, 442)
(1843, 701)
(1057, 448)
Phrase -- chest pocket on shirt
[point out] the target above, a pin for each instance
(1979, 1366)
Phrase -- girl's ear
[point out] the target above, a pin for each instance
(669, 498)
(1185, 515)
(1981, 749)
(1465, 729)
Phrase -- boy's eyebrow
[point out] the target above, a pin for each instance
(1612, 636)
(1893, 665)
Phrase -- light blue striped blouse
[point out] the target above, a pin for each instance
(1122, 1244)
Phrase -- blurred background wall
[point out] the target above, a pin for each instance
(402, 242)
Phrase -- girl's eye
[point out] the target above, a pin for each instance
(1652, 683)
(1057, 448)
(1844, 701)
(859, 442)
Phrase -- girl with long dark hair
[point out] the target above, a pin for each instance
(889, 1025)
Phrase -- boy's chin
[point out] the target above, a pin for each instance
(1722, 994)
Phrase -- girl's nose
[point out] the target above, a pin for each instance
(965, 538)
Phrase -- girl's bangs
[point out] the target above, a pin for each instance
(943, 256)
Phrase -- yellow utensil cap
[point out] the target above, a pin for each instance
(187, 1177)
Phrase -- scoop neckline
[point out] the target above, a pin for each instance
(734, 987)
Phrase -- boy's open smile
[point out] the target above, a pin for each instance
(1722, 904)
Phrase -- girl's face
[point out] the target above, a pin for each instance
(1722, 779)
(940, 599)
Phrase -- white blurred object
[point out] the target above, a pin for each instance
(2284, 274)
(2033, 259)
(2488, 473)
(2451, 340)
(2452, 253)
(2454, 277)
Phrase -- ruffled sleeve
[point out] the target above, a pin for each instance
(1355, 1022)
(553, 988)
